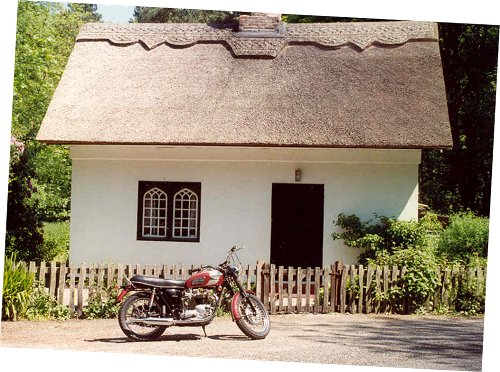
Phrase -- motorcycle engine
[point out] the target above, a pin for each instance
(198, 304)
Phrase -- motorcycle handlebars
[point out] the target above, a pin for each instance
(232, 251)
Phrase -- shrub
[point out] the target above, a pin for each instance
(102, 303)
(465, 239)
(17, 287)
(43, 306)
(398, 243)
(56, 241)
(387, 235)
(470, 300)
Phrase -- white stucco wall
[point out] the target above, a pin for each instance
(236, 197)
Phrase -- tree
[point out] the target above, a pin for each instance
(144, 14)
(24, 227)
(39, 178)
(460, 179)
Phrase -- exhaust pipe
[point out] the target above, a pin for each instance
(153, 321)
(168, 321)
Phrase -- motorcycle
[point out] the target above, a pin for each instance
(157, 303)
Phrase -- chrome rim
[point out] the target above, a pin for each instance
(139, 309)
(258, 321)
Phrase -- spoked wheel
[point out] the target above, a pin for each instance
(254, 324)
(137, 307)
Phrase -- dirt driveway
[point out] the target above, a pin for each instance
(432, 342)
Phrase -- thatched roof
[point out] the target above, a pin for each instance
(377, 85)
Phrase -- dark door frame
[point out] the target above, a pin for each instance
(297, 224)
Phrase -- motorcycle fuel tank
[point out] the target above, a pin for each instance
(205, 278)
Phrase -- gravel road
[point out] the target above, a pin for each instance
(433, 342)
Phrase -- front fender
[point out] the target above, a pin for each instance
(234, 305)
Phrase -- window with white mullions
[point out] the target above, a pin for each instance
(185, 223)
(154, 214)
(169, 211)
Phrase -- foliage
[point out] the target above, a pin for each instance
(421, 248)
(39, 177)
(465, 238)
(470, 300)
(102, 303)
(53, 182)
(385, 236)
(144, 14)
(17, 287)
(469, 54)
(23, 228)
(55, 241)
(420, 279)
(296, 18)
(43, 306)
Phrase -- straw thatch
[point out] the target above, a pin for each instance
(377, 85)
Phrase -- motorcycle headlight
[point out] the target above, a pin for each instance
(235, 270)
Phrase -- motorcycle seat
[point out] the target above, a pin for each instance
(151, 281)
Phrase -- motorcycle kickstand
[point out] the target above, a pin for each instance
(205, 332)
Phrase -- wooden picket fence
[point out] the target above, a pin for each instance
(335, 288)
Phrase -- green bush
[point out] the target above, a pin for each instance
(43, 306)
(102, 303)
(56, 241)
(465, 239)
(17, 287)
(470, 300)
(386, 235)
(420, 280)
(422, 248)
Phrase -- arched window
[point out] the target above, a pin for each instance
(169, 211)
(185, 223)
(154, 214)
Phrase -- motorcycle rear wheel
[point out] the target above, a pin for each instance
(137, 306)
(254, 325)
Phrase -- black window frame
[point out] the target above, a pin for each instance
(170, 188)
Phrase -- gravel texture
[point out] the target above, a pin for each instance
(431, 342)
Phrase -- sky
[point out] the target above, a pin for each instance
(115, 13)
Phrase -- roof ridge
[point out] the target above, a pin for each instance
(361, 34)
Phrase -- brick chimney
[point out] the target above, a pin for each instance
(261, 23)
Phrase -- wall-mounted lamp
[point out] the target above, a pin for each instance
(298, 175)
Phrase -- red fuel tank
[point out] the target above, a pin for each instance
(205, 278)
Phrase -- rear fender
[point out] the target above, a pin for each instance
(123, 292)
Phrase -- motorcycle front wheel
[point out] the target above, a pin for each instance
(255, 325)
(136, 307)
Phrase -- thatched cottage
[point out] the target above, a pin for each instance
(187, 139)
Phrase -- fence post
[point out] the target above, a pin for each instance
(378, 273)
(326, 290)
(62, 283)
(290, 287)
(343, 286)
(337, 284)
(317, 285)
(43, 270)
(272, 283)
(361, 276)
(333, 288)
(280, 289)
(81, 280)
(369, 297)
(52, 279)
(258, 281)
(394, 279)
(266, 283)
(308, 289)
